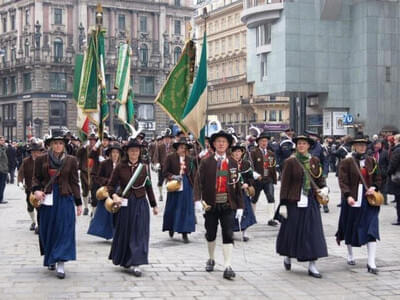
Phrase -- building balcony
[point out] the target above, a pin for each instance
(257, 12)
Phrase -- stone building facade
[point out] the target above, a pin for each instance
(38, 42)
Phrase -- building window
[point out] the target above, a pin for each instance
(28, 118)
(13, 84)
(280, 119)
(58, 50)
(10, 121)
(222, 46)
(237, 41)
(58, 113)
(5, 86)
(58, 16)
(12, 19)
(13, 54)
(177, 54)
(108, 83)
(263, 66)
(177, 2)
(146, 112)
(146, 86)
(177, 27)
(143, 24)
(27, 15)
(121, 22)
(4, 54)
(272, 115)
(58, 81)
(387, 74)
(26, 46)
(263, 34)
(144, 55)
(4, 20)
(27, 82)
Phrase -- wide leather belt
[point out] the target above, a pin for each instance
(221, 198)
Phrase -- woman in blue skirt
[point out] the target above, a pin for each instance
(179, 213)
(301, 234)
(130, 246)
(56, 185)
(358, 221)
(102, 223)
(246, 174)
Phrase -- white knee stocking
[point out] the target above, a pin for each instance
(371, 246)
(349, 253)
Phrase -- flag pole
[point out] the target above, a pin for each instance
(205, 17)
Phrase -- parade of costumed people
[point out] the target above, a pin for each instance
(55, 185)
(359, 181)
(101, 224)
(264, 168)
(222, 194)
(179, 171)
(246, 177)
(131, 191)
(301, 234)
(25, 175)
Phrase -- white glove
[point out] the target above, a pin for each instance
(283, 211)
(256, 175)
(239, 214)
(348, 155)
(101, 158)
(324, 192)
(21, 185)
(157, 166)
(198, 206)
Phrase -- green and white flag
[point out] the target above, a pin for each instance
(194, 114)
(173, 96)
(125, 109)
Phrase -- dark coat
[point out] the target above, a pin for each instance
(68, 179)
(349, 177)
(172, 167)
(394, 166)
(12, 157)
(25, 173)
(104, 172)
(120, 178)
(292, 178)
(258, 164)
(318, 151)
(208, 177)
(161, 153)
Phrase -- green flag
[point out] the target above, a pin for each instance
(125, 109)
(104, 111)
(194, 114)
(173, 96)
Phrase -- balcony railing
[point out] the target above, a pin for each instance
(254, 3)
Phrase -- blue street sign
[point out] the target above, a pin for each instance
(348, 119)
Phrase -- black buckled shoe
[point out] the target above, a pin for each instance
(86, 211)
(351, 262)
(246, 238)
(33, 226)
(229, 274)
(61, 275)
(315, 275)
(136, 272)
(272, 223)
(210, 265)
(326, 209)
(372, 270)
(288, 266)
(171, 233)
(51, 267)
(185, 238)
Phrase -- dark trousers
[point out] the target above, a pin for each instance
(267, 187)
(93, 199)
(397, 199)
(160, 178)
(223, 214)
(3, 180)
(12, 174)
(28, 204)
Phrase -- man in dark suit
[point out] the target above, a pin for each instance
(264, 166)
(12, 160)
(160, 155)
(222, 194)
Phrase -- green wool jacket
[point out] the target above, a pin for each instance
(3, 160)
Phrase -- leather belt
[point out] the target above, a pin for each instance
(221, 198)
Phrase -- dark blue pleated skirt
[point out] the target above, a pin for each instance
(130, 246)
(248, 216)
(301, 235)
(358, 225)
(57, 229)
(179, 210)
(102, 223)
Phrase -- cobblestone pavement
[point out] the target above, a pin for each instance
(176, 270)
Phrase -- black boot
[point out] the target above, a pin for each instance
(171, 233)
(185, 238)
(229, 274)
(210, 265)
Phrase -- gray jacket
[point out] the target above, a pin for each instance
(3, 160)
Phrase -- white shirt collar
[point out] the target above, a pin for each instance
(217, 157)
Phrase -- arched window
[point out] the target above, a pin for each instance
(144, 54)
(58, 50)
(177, 54)
(26, 45)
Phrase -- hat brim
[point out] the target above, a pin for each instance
(48, 141)
(360, 141)
(108, 151)
(176, 145)
(304, 138)
(234, 148)
(263, 137)
(221, 134)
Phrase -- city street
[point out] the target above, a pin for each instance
(176, 270)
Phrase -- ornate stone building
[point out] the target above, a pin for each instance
(38, 42)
